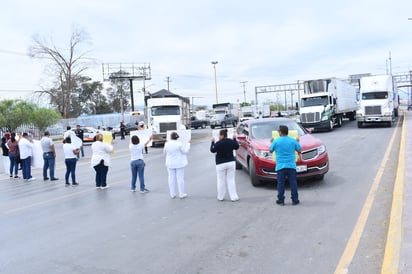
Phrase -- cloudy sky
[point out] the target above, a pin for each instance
(262, 42)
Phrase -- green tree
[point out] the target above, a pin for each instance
(245, 104)
(92, 100)
(15, 113)
(44, 117)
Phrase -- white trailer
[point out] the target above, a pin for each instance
(378, 100)
(166, 111)
(326, 102)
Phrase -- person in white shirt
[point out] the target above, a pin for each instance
(136, 163)
(101, 161)
(70, 159)
(26, 152)
(176, 161)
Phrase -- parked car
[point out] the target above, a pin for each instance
(253, 154)
(223, 120)
(198, 123)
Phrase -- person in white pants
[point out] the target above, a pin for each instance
(225, 165)
(176, 161)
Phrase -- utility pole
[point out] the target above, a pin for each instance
(168, 80)
(244, 90)
(214, 63)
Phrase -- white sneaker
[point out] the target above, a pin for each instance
(31, 179)
(183, 195)
(104, 187)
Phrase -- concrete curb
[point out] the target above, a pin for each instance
(391, 259)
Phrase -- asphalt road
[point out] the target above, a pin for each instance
(46, 227)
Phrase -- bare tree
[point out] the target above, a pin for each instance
(69, 65)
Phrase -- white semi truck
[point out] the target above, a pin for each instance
(378, 100)
(166, 111)
(326, 102)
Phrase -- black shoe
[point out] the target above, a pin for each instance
(295, 202)
(54, 179)
(280, 202)
(45, 178)
(75, 184)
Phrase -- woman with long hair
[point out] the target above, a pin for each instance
(13, 146)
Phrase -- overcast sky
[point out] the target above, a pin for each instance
(261, 42)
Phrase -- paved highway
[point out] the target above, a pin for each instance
(48, 228)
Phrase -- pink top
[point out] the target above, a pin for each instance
(13, 147)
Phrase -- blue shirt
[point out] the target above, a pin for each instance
(285, 148)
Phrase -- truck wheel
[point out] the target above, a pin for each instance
(196, 127)
(212, 127)
(223, 125)
(352, 116)
(238, 165)
(339, 121)
(234, 124)
(203, 125)
(330, 125)
(389, 124)
(252, 173)
(396, 112)
(360, 124)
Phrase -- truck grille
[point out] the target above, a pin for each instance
(310, 154)
(167, 126)
(311, 117)
(373, 110)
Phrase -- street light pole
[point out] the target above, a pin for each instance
(244, 90)
(214, 63)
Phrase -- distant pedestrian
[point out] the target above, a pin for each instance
(80, 134)
(141, 126)
(13, 147)
(49, 156)
(6, 159)
(285, 148)
(26, 153)
(101, 161)
(225, 165)
(70, 154)
(122, 130)
(67, 133)
(137, 164)
(176, 161)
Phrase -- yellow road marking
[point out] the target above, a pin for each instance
(393, 242)
(359, 228)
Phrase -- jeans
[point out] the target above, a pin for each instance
(26, 167)
(13, 163)
(137, 168)
(101, 174)
(81, 151)
(70, 169)
(290, 173)
(49, 160)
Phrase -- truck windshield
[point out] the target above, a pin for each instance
(165, 110)
(315, 101)
(375, 95)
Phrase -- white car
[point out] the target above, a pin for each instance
(89, 133)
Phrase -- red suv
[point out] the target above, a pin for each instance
(253, 153)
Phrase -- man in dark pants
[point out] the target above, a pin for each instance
(80, 134)
(285, 148)
(122, 130)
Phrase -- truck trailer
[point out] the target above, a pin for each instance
(326, 102)
(166, 111)
(378, 100)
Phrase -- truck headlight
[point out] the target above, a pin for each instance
(264, 154)
(325, 118)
